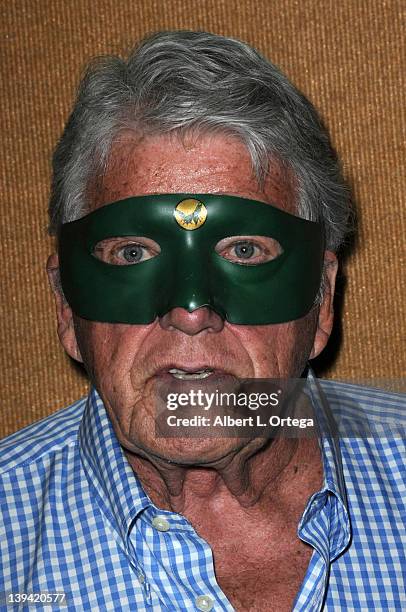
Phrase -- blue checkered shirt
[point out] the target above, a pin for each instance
(75, 519)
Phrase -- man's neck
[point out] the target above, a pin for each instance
(257, 478)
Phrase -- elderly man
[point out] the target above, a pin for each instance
(198, 205)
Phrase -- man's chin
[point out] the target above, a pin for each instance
(187, 451)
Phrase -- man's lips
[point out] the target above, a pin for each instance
(198, 371)
(177, 378)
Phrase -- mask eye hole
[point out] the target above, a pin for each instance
(126, 250)
(249, 250)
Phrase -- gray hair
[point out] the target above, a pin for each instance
(196, 81)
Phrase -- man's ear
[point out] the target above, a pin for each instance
(326, 312)
(66, 330)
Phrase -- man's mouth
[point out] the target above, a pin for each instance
(196, 375)
(181, 377)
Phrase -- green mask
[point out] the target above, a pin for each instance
(188, 272)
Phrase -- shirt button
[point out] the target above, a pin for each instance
(141, 578)
(160, 523)
(204, 603)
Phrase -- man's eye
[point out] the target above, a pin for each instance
(132, 253)
(122, 252)
(244, 250)
(253, 250)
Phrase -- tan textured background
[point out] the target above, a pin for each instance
(345, 55)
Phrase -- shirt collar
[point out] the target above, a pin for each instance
(114, 485)
(338, 535)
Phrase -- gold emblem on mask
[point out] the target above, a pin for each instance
(190, 214)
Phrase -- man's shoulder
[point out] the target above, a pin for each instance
(370, 407)
(372, 436)
(49, 435)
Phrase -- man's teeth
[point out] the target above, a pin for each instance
(176, 373)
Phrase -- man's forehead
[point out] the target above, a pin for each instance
(210, 164)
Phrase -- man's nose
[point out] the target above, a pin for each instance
(192, 323)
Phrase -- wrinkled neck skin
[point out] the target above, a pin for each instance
(262, 475)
